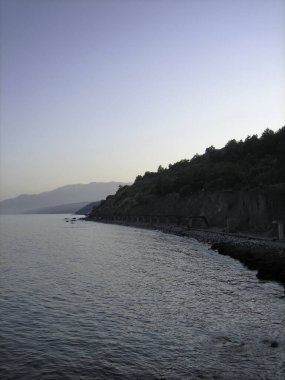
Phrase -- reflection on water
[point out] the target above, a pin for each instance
(96, 301)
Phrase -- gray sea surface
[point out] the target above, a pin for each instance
(86, 300)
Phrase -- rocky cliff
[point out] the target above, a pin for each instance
(243, 210)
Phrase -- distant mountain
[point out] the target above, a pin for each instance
(86, 210)
(78, 193)
(70, 208)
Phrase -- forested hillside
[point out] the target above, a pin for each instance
(244, 181)
(240, 164)
(252, 163)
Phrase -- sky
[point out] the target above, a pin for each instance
(104, 90)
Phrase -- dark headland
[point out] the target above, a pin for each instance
(232, 198)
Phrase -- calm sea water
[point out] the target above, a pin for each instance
(96, 301)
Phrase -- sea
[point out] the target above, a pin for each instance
(87, 300)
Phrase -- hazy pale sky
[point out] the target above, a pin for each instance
(100, 90)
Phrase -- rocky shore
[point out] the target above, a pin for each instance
(265, 256)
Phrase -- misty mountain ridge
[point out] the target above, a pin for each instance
(69, 208)
(68, 194)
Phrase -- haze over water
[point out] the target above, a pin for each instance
(96, 301)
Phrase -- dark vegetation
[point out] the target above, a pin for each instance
(240, 165)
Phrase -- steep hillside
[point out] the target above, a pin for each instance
(243, 182)
(87, 209)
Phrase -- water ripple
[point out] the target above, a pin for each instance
(96, 301)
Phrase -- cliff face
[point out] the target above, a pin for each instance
(251, 210)
(240, 210)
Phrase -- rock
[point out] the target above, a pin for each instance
(268, 261)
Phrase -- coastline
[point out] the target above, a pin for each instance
(265, 256)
